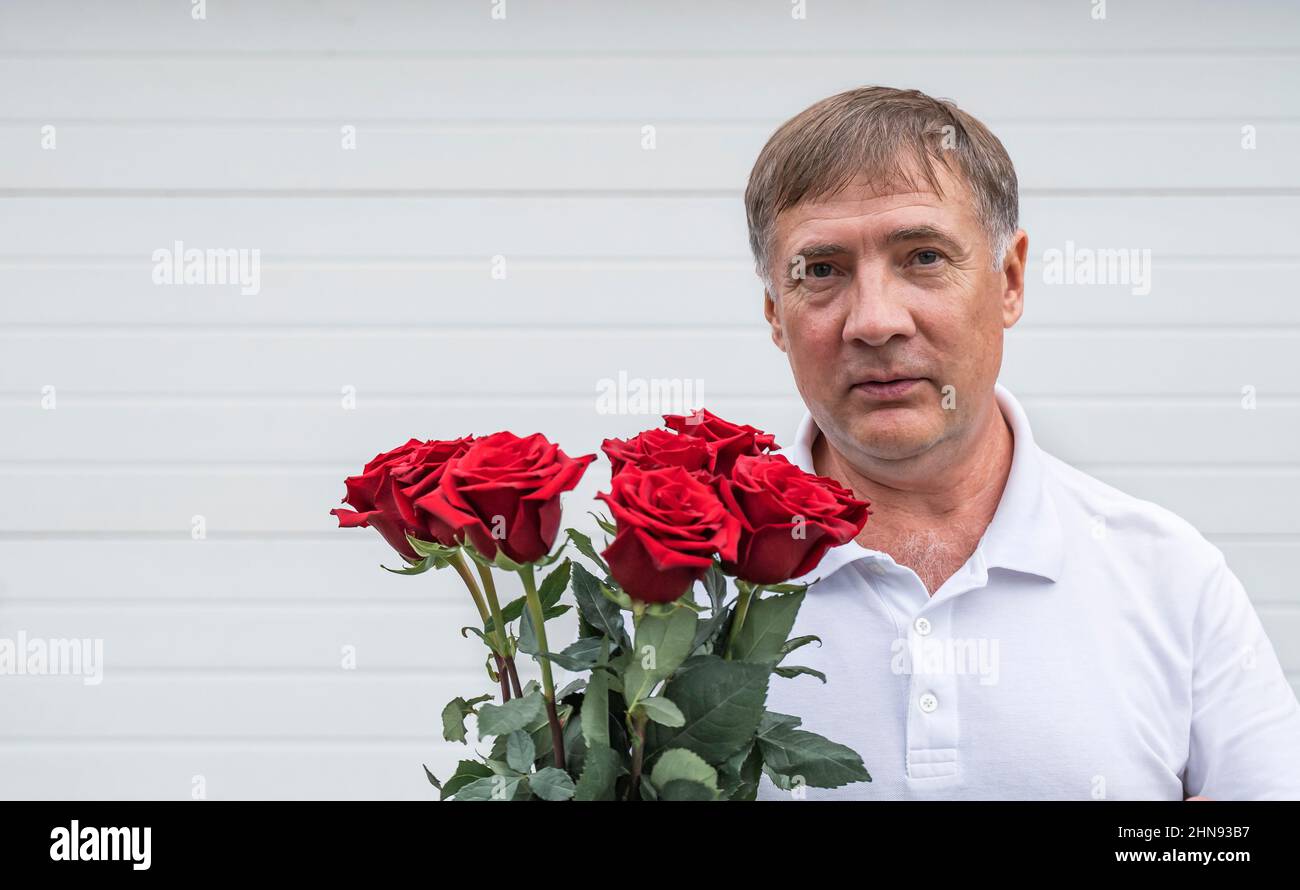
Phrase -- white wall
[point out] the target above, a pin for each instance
(522, 138)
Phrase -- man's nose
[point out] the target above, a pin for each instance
(878, 311)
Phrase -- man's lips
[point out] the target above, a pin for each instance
(887, 389)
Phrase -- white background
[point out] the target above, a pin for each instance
(522, 137)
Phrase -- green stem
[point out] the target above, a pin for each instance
(548, 682)
(742, 609)
(638, 753)
(503, 673)
(490, 587)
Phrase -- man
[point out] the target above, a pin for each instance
(1005, 626)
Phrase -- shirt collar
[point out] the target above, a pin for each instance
(1025, 534)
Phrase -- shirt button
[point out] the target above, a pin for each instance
(922, 625)
(928, 702)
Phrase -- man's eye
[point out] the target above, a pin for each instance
(821, 270)
(928, 257)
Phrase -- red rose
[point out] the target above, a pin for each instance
(728, 440)
(670, 525)
(656, 449)
(383, 495)
(788, 518)
(504, 492)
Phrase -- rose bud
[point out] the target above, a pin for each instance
(670, 525)
(788, 518)
(727, 440)
(383, 495)
(504, 493)
(656, 449)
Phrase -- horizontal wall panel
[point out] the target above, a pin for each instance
(579, 293)
(228, 771)
(350, 705)
(594, 158)
(249, 637)
(671, 25)
(591, 227)
(515, 362)
(137, 431)
(639, 89)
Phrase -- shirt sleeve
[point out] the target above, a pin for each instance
(1245, 732)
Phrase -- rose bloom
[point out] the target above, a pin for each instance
(504, 493)
(656, 449)
(788, 518)
(727, 440)
(670, 525)
(383, 495)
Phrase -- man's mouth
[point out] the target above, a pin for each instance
(885, 389)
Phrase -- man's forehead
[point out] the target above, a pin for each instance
(883, 204)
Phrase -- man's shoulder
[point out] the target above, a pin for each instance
(1149, 531)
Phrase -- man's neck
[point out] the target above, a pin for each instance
(929, 511)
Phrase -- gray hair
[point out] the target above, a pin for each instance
(887, 135)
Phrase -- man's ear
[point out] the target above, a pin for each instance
(773, 315)
(1013, 276)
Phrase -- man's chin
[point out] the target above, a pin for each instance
(894, 432)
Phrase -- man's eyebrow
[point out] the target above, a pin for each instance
(819, 249)
(922, 233)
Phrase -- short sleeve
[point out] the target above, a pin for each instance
(1245, 728)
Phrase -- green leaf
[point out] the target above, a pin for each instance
(552, 783)
(774, 721)
(466, 771)
(492, 788)
(662, 711)
(740, 775)
(581, 654)
(792, 753)
(520, 751)
(795, 670)
(618, 597)
(595, 609)
(786, 588)
(715, 585)
(681, 764)
(432, 548)
(600, 772)
(662, 644)
(722, 702)
(528, 635)
(554, 585)
(571, 688)
(454, 714)
(595, 706)
(583, 543)
(795, 642)
(515, 714)
(509, 612)
(606, 526)
(766, 627)
(418, 568)
(487, 641)
(685, 789)
(433, 780)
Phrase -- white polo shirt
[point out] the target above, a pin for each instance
(1094, 646)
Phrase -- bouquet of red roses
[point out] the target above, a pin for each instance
(671, 708)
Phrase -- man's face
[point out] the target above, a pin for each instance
(899, 313)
